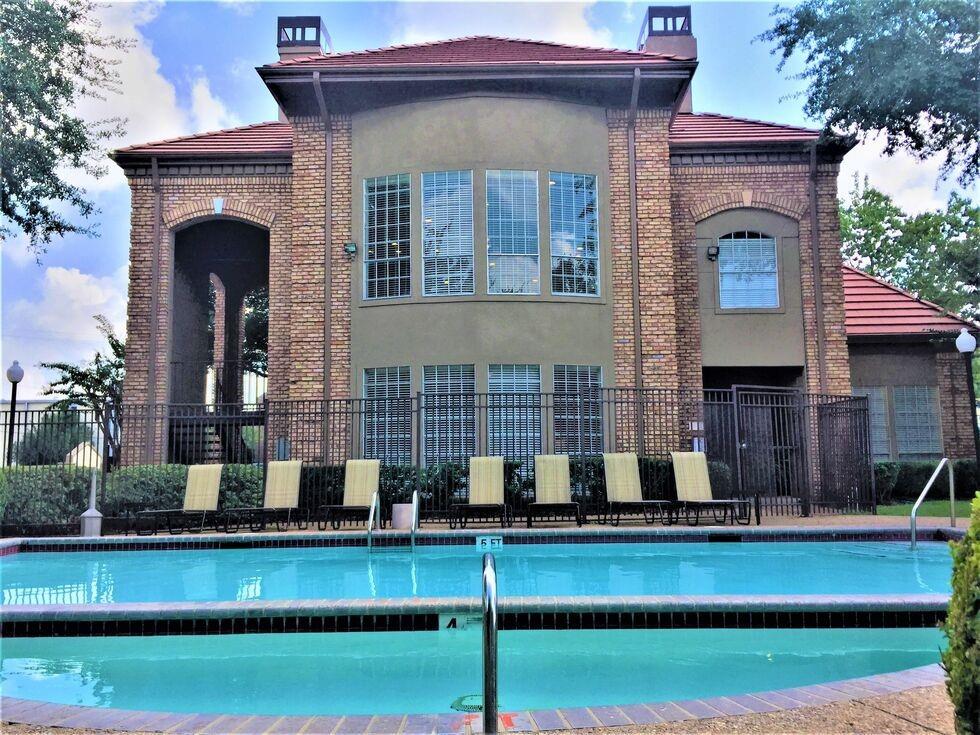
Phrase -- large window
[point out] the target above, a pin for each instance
(449, 415)
(916, 422)
(574, 234)
(747, 275)
(514, 412)
(387, 411)
(878, 418)
(578, 409)
(447, 232)
(512, 232)
(387, 218)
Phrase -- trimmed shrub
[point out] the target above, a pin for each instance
(901, 482)
(158, 487)
(48, 494)
(962, 657)
(886, 477)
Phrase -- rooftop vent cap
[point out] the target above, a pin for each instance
(667, 30)
(302, 35)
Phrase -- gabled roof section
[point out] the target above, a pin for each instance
(873, 307)
(260, 139)
(709, 128)
(477, 51)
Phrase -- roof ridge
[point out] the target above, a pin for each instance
(192, 136)
(908, 294)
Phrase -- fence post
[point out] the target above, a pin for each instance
(106, 428)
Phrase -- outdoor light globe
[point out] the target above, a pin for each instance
(965, 343)
(15, 373)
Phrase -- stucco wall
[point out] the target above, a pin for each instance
(893, 364)
(479, 133)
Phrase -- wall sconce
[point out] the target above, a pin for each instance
(351, 249)
(712, 253)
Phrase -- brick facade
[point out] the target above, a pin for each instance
(957, 415)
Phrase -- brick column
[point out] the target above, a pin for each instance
(957, 415)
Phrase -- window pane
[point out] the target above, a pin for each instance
(387, 204)
(387, 421)
(512, 232)
(916, 422)
(578, 414)
(447, 232)
(878, 418)
(449, 416)
(514, 412)
(574, 233)
(747, 276)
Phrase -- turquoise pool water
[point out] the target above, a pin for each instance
(390, 673)
(560, 569)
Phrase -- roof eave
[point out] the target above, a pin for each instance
(121, 157)
(478, 69)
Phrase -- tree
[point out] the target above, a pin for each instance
(907, 68)
(93, 384)
(51, 439)
(54, 56)
(255, 348)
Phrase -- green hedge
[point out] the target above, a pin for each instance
(43, 494)
(962, 657)
(901, 482)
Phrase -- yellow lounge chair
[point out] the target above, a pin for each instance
(281, 502)
(552, 489)
(362, 477)
(694, 492)
(200, 504)
(624, 493)
(486, 496)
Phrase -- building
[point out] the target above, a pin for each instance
(488, 214)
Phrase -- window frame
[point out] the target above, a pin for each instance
(899, 425)
(591, 423)
(598, 240)
(466, 415)
(537, 224)
(389, 439)
(367, 244)
(425, 258)
(779, 306)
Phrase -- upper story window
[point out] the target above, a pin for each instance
(387, 225)
(574, 234)
(447, 233)
(747, 274)
(512, 232)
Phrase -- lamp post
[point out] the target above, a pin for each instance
(966, 343)
(15, 374)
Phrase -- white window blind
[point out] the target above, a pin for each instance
(578, 409)
(447, 232)
(514, 412)
(574, 210)
(449, 415)
(512, 232)
(916, 422)
(747, 275)
(878, 418)
(387, 225)
(387, 411)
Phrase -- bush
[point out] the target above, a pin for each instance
(886, 477)
(962, 657)
(44, 494)
(50, 440)
(159, 487)
(903, 481)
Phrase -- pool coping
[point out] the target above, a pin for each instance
(47, 714)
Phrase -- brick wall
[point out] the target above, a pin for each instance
(954, 405)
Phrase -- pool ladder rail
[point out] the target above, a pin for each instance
(489, 645)
(944, 462)
(373, 517)
(415, 518)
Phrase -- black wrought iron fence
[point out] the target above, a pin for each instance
(799, 453)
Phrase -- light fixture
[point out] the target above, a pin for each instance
(351, 249)
(966, 344)
(712, 253)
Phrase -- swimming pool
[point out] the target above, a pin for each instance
(444, 571)
(385, 673)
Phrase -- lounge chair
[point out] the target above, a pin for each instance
(281, 502)
(552, 489)
(486, 497)
(624, 493)
(361, 480)
(200, 505)
(694, 492)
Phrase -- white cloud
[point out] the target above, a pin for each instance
(912, 183)
(208, 111)
(58, 324)
(241, 7)
(561, 22)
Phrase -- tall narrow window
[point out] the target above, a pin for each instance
(916, 422)
(878, 419)
(512, 232)
(387, 411)
(747, 276)
(387, 218)
(514, 412)
(449, 415)
(447, 232)
(578, 414)
(574, 234)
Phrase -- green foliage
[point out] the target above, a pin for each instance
(961, 659)
(49, 440)
(903, 481)
(904, 67)
(886, 477)
(55, 57)
(159, 487)
(51, 494)
(255, 346)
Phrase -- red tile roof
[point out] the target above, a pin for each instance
(708, 127)
(477, 50)
(874, 307)
(261, 139)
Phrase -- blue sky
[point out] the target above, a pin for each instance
(192, 68)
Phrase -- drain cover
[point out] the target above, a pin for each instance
(468, 703)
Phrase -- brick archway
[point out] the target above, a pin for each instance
(785, 205)
(217, 207)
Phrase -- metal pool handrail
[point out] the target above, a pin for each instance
(415, 516)
(371, 515)
(489, 645)
(922, 496)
